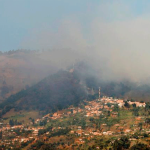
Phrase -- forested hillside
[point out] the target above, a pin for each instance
(54, 92)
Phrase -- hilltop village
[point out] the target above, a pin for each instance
(105, 119)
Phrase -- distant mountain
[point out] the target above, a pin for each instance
(22, 68)
(55, 92)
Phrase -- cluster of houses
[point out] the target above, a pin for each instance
(120, 102)
(91, 109)
(94, 108)
(8, 131)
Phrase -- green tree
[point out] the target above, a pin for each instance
(108, 113)
(140, 125)
(116, 108)
(140, 146)
(147, 121)
(122, 143)
(127, 105)
(134, 105)
(136, 111)
(1, 135)
(11, 122)
(83, 124)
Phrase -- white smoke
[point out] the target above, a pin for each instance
(116, 43)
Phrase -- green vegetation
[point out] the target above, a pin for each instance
(122, 143)
(14, 122)
(140, 146)
(60, 132)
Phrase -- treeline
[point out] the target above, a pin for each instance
(13, 122)
(16, 51)
(23, 51)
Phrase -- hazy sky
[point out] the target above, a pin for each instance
(21, 21)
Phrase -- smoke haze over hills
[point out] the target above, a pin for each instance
(110, 37)
(115, 44)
